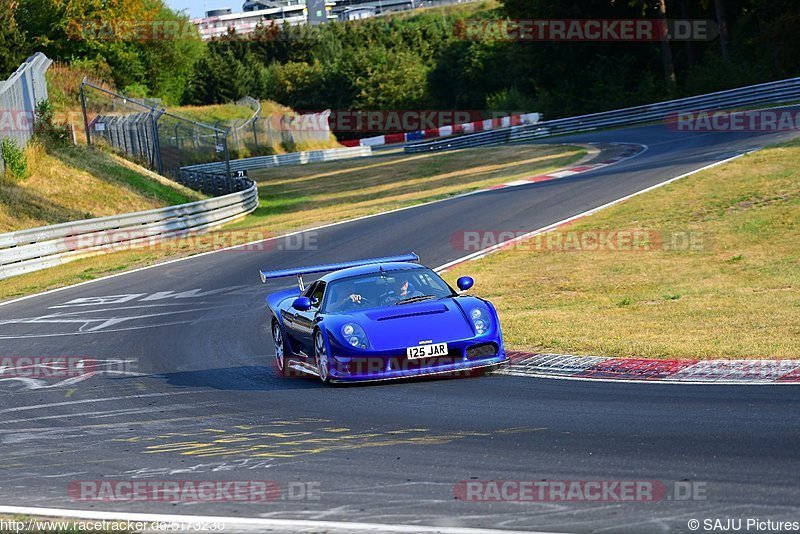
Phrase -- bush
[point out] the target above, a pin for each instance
(45, 128)
(14, 159)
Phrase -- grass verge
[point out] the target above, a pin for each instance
(714, 271)
(72, 183)
(310, 195)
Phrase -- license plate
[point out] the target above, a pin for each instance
(426, 351)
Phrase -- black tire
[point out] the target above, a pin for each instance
(321, 357)
(280, 348)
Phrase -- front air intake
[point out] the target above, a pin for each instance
(482, 350)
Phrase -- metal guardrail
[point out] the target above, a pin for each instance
(779, 92)
(494, 137)
(19, 96)
(30, 250)
(294, 158)
(212, 183)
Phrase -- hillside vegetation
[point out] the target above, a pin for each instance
(425, 59)
(70, 183)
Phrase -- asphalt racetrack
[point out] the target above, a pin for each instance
(188, 391)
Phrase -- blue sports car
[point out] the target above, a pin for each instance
(381, 319)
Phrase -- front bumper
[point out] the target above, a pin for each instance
(366, 366)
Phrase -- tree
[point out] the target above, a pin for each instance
(13, 46)
(141, 42)
(724, 35)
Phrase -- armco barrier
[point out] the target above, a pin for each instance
(212, 183)
(295, 158)
(447, 131)
(19, 96)
(38, 248)
(779, 92)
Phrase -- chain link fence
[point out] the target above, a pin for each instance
(260, 134)
(148, 134)
(174, 146)
(20, 94)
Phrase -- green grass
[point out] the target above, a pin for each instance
(211, 114)
(733, 293)
(72, 183)
(308, 195)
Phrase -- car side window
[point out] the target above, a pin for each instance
(317, 292)
(309, 291)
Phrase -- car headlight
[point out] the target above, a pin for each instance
(354, 335)
(480, 320)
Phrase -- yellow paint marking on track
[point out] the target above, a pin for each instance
(261, 441)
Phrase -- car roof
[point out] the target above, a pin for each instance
(370, 269)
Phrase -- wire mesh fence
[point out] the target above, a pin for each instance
(146, 133)
(261, 135)
(20, 94)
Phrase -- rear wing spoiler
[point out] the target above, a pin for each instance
(300, 271)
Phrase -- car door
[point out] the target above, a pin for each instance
(304, 321)
(290, 324)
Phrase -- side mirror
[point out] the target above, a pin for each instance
(464, 283)
(302, 304)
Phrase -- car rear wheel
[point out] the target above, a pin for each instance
(280, 349)
(321, 356)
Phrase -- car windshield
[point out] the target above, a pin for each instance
(390, 288)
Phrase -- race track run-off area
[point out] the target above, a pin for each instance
(182, 387)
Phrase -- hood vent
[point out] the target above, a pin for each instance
(385, 315)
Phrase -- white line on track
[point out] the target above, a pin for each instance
(101, 399)
(248, 523)
(499, 246)
(101, 414)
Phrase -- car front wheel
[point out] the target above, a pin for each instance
(321, 356)
(280, 349)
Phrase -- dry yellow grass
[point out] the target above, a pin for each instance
(309, 195)
(226, 114)
(74, 183)
(734, 294)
